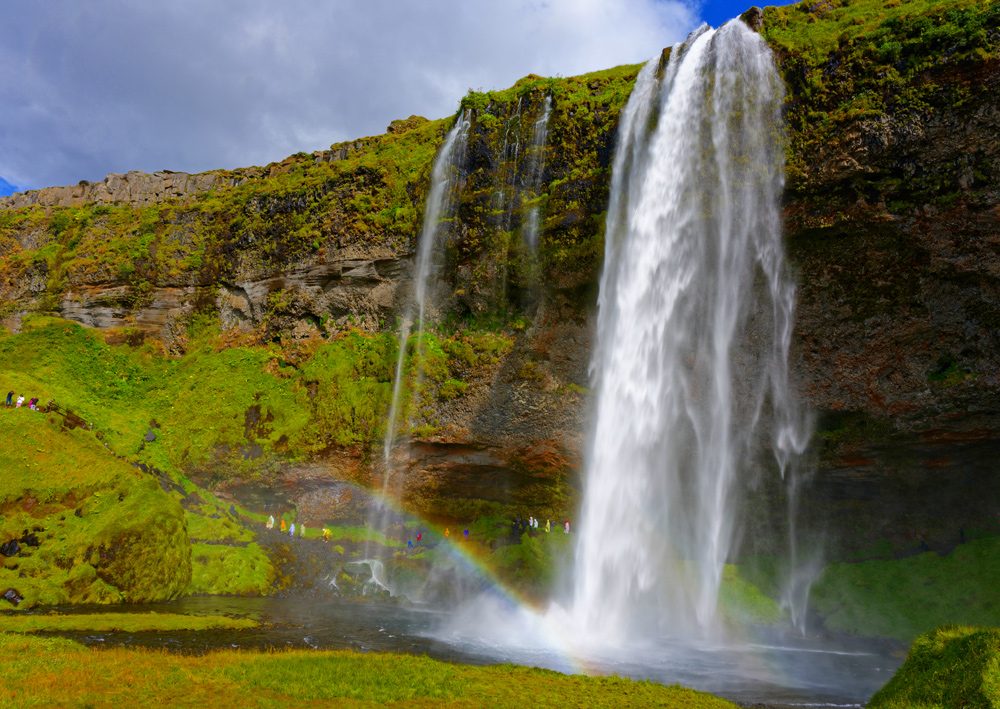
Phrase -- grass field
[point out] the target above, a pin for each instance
(124, 622)
(57, 672)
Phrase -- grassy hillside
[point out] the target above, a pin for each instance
(92, 528)
(236, 410)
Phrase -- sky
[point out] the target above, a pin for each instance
(102, 86)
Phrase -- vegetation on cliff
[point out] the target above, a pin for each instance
(862, 66)
(902, 598)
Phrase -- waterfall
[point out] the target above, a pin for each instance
(440, 206)
(694, 324)
(536, 168)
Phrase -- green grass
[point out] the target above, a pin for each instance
(106, 532)
(119, 622)
(952, 666)
(796, 28)
(53, 671)
(905, 597)
(221, 570)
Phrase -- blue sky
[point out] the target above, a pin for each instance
(114, 85)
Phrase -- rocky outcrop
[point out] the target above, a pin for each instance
(135, 188)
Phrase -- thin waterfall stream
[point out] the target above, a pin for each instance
(440, 204)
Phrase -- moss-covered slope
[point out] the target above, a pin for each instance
(90, 527)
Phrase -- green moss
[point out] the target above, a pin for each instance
(952, 666)
(106, 532)
(742, 602)
(222, 570)
(846, 61)
(904, 597)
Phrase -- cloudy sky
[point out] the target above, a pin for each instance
(101, 86)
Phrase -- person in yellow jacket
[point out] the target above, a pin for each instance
(548, 526)
(447, 532)
(283, 527)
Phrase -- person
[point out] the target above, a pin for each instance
(20, 400)
(536, 523)
(302, 532)
(51, 405)
(447, 532)
(293, 530)
(31, 403)
(567, 527)
(10, 397)
(531, 522)
(326, 534)
(548, 526)
(283, 527)
(409, 543)
(466, 534)
(270, 522)
(420, 535)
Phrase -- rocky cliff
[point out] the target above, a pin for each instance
(891, 216)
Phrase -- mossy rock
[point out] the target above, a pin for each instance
(952, 666)
(106, 532)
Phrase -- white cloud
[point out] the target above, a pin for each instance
(113, 85)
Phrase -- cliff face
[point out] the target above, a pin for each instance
(891, 216)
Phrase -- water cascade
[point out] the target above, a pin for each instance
(536, 167)
(694, 324)
(440, 205)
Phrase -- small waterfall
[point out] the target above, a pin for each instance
(440, 206)
(536, 167)
(506, 175)
(377, 581)
(694, 324)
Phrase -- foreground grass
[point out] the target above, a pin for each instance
(952, 666)
(53, 671)
(124, 622)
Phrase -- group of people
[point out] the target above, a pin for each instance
(291, 528)
(519, 526)
(32, 402)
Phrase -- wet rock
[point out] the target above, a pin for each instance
(29, 540)
(11, 548)
(13, 596)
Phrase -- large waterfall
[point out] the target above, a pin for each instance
(694, 323)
